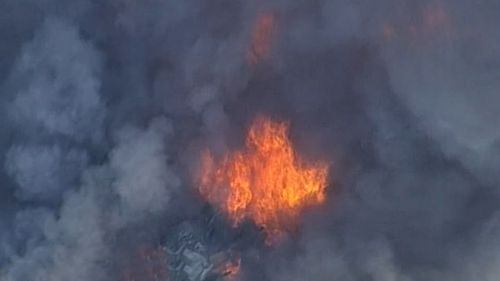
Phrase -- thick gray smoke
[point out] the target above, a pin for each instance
(106, 105)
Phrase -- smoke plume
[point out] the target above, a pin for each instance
(107, 107)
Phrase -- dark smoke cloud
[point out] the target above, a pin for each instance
(105, 106)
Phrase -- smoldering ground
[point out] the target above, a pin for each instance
(106, 105)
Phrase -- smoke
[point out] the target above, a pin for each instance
(55, 84)
(43, 173)
(106, 105)
(144, 179)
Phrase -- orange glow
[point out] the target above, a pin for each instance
(231, 270)
(388, 31)
(436, 16)
(266, 182)
(261, 38)
(148, 264)
(432, 21)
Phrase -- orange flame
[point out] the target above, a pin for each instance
(266, 182)
(261, 38)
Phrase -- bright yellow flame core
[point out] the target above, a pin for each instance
(265, 182)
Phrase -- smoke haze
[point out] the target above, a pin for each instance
(107, 105)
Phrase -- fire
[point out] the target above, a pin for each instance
(231, 270)
(266, 182)
(261, 38)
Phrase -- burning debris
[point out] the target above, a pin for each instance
(187, 253)
(267, 182)
(231, 270)
(191, 257)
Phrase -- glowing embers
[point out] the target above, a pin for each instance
(265, 182)
(261, 38)
(231, 270)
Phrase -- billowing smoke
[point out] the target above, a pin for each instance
(106, 107)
